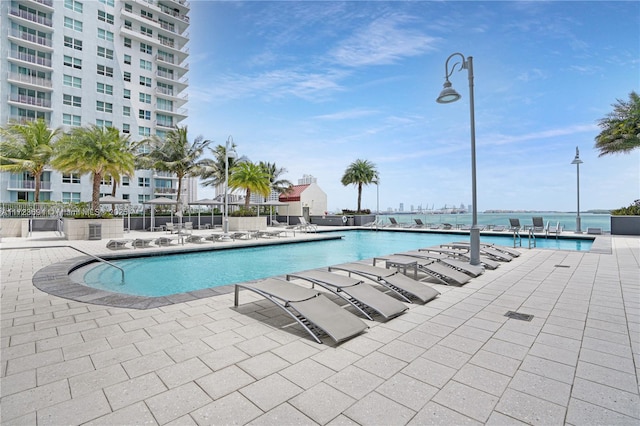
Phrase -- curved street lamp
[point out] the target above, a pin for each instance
(449, 95)
(227, 155)
(577, 161)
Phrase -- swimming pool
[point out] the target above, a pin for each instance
(172, 274)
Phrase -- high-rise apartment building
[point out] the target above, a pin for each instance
(103, 62)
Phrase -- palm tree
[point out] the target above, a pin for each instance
(360, 172)
(29, 148)
(250, 177)
(620, 128)
(101, 151)
(175, 155)
(214, 173)
(281, 186)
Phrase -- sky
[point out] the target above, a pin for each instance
(314, 85)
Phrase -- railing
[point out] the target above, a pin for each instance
(30, 58)
(22, 119)
(517, 239)
(99, 259)
(27, 184)
(30, 79)
(31, 17)
(171, 92)
(178, 111)
(532, 238)
(45, 2)
(173, 13)
(43, 41)
(30, 100)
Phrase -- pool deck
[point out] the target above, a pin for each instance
(455, 360)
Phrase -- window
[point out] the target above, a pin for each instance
(144, 182)
(145, 81)
(70, 61)
(144, 97)
(143, 198)
(127, 24)
(144, 114)
(106, 180)
(105, 53)
(126, 129)
(146, 14)
(70, 197)
(128, 7)
(127, 94)
(127, 59)
(106, 89)
(71, 81)
(144, 131)
(76, 6)
(72, 24)
(106, 71)
(72, 43)
(146, 48)
(104, 123)
(126, 111)
(104, 106)
(107, 2)
(127, 76)
(127, 42)
(70, 178)
(145, 65)
(71, 120)
(146, 31)
(125, 196)
(74, 101)
(105, 35)
(105, 17)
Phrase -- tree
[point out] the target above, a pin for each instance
(29, 148)
(250, 177)
(214, 173)
(175, 155)
(281, 186)
(100, 151)
(620, 128)
(360, 172)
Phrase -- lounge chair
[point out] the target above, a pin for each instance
(498, 228)
(269, 234)
(306, 226)
(214, 237)
(405, 287)
(594, 231)
(419, 223)
(194, 239)
(241, 235)
(553, 230)
(188, 226)
(362, 296)
(163, 241)
(487, 251)
(538, 224)
(447, 226)
(514, 225)
(117, 244)
(442, 273)
(462, 253)
(309, 308)
(510, 251)
(142, 242)
(467, 268)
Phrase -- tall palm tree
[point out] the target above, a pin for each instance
(250, 177)
(360, 172)
(175, 155)
(215, 173)
(281, 186)
(101, 151)
(620, 128)
(29, 148)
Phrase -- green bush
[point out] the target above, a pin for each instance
(353, 212)
(632, 210)
(242, 212)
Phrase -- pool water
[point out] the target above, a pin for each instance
(172, 274)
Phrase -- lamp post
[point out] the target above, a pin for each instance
(225, 226)
(577, 161)
(449, 95)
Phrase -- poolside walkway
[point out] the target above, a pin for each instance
(456, 360)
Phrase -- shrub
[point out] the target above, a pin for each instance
(632, 210)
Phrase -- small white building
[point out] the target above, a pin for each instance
(305, 198)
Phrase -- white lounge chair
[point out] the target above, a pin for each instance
(142, 242)
(117, 244)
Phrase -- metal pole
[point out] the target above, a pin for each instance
(225, 226)
(475, 231)
(578, 220)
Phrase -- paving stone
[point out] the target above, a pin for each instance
(362, 345)
(584, 413)
(146, 364)
(508, 349)
(85, 383)
(295, 351)
(407, 391)
(224, 382)
(63, 370)
(322, 403)
(354, 381)
(380, 364)
(137, 411)
(17, 382)
(263, 365)
(552, 353)
(180, 373)
(155, 344)
(603, 359)
(270, 392)
(529, 409)
(306, 373)
(402, 350)
(232, 409)
(375, 409)
(436, 415)
(29, 362)
(134, 390)
(217, 360)
(541, 387)
(429, 372)
(284, 413)
(75, 411)
(547, 368)
(607, 376)
(257, 345)
(336, 358)
(446, 356)
(626, 403)
(177, 402)
(466, 400)
(30, 400)
(482, 379)
(499, 419)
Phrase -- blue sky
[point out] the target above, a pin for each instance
(313, 86)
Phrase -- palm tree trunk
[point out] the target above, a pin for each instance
(179, 191)
(95, 196)
(359, 196)
(247, 198)
(36, 195)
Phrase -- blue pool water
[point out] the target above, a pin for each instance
(172, 274)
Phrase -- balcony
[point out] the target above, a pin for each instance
(172, 78)
(166, 124)
(32, 38)
(48, 3)
(174, 13)
(47, 22)
(29, 185)
(21, 119)
(30, 101)
(164, 175)
(177, 111)
(32, 59)
(30, 80)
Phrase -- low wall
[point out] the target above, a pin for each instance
(247, 223)
(625, 225)
(78, 229)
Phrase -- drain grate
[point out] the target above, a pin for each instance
(562, 266)
(519, 316)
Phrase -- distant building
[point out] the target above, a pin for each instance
(401, 209)
(307, 179)
(304, 198)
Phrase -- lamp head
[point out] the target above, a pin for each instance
(448, 94)
(576, 159)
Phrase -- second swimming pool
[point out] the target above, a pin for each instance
(172, 274)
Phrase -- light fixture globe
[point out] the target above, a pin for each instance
(448, 94)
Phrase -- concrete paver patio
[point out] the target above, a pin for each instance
(454, 360)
